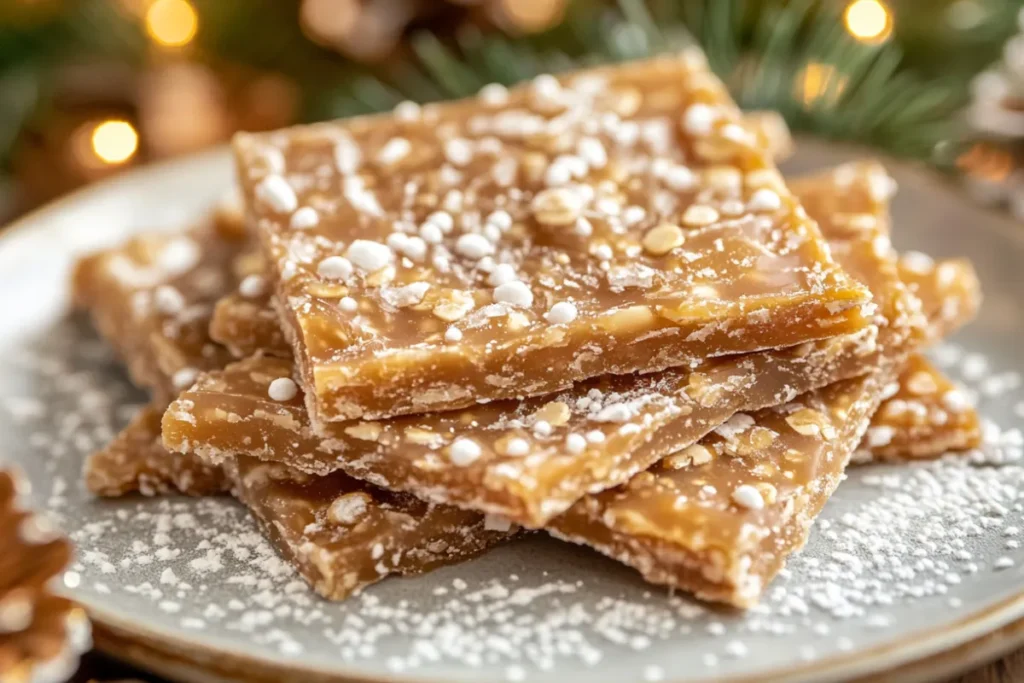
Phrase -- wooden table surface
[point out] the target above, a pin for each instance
(1009, 669)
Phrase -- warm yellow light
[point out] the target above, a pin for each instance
(172, 23)
(114, 142)
(819, 82)
(869, 21)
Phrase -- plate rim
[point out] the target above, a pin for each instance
(915, 657)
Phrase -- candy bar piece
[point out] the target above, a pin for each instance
(605, 222)
(136, 461)
(246, 324)
(529, 461)
(342, 534)
(928, 416)
(152, 299)
(42, 634)
(949, 290)
(719, 518)
(243, 320)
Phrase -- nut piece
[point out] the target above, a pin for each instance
(704, 390)
(921, 384)
(365, 431)
(453, 305)
(348, 508)
(422, 437)
(557, 206)
(808, 422)
(700, 215)
(663, 238)
(691, 455)
(554, 413)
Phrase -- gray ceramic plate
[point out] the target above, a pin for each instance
(906, 562)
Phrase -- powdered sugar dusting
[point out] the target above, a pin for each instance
(900, 548)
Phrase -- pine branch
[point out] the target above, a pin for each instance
(761, 50)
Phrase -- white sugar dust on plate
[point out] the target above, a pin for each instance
(906, 560)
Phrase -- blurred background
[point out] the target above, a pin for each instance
(89, 88)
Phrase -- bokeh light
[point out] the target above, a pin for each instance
(114, 141)
(172, 23)
(869, 21)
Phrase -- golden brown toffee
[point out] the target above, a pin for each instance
(605, 222)
(530, 460)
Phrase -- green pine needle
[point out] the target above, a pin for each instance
(762, 50)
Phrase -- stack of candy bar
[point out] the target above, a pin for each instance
(588, 305)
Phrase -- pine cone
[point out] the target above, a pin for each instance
(41, 634)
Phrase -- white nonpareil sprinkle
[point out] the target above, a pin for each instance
(501, 219)
(633, 215)
(407, 111)
(517, 447)
(275, 192)
(515, 293)
(335, 268)
(699, 119)
(918, 262)
(592, 152)
(955, 401)
(347, 156)
(394, 151)
(502, 273)
(458, 151)
(882, 186)
(453, 335)
(415, 248)
(443, 220)
(283, 389)
(680, 178)
(561, 313)
(747, 496)
(736, 133)
(252, 286)
(546, 87)
(583, 227)
(168, 300)
(431, 233)
(542, 428)
(595, 436)
(880, 435)
(494, 94)
(765, 199)
(575, 444)
(184, 378)
(464, 452)
(305, 218)
(473, 246)
(369, 256)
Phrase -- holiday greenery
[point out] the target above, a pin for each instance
(900, 89)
